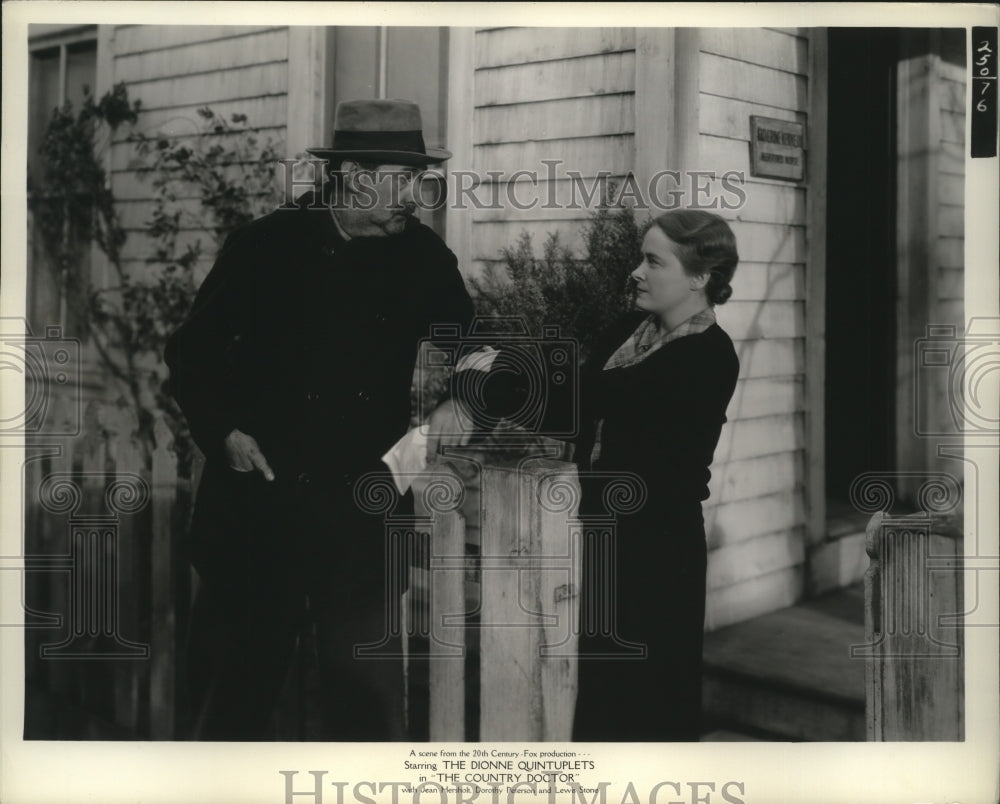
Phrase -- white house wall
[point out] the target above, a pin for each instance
(176, 70)
(756, 516)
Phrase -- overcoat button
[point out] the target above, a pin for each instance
(363, 396)
(312, 396)
(304, 479)
(381, 318)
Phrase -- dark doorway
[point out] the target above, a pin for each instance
(861, 258)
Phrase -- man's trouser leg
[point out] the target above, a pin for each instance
(362, 694)
(239, 651)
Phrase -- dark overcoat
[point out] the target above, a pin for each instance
(643, 596)
(307, 342)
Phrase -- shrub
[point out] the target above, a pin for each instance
(581, 296)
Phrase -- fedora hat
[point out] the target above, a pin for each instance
(385, 131)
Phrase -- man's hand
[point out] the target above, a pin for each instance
(244, 455)
(450, 425)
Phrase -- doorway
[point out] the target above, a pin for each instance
(860, 404)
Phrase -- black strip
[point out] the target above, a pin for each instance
(984, 92)
(412, 141)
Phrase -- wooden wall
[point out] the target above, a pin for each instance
(570, 94)
(949, 273)
(548, 93)
(946, 250)
(174, 71)
(930, 246)
(756, 515)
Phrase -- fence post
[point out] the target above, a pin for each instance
(441, 497)
(163, 637)
(913, 609)
(528, 633)
(126, 454)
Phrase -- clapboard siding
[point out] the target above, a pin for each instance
(952, 93)
(728, 78)
(494, 235)
(756, 477)
(739, 522)
(125, 156)
(135, 216)
(723, 154)
(763, 397)
(175, 71)
(196, 58)
(140, 246)
(250, 81)
(580, 77)
(569, 95)
(556, 119)
(763, 48)
(184, 121)
(756, 281)
(764, 203)
(951, 220)
(540, 94)
(769, 242)
(753, 597)
(751, 320)
(727, 117)
(951, 251)
(757, 543)
(132, 39)
(502, 47)
(534, 197)
(951, 284)
(952, 158)
(134, 184)
(589, 156)
(780, 357)
(949, 274)
(951, 189)
(766, 435)
(748, 559)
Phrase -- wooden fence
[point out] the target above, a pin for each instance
(493, 601)
(504, 575)
(108, 594)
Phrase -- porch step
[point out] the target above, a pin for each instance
(789, 674)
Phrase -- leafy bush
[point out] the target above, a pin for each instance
(581, 296)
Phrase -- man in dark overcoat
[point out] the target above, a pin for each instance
(294, 370)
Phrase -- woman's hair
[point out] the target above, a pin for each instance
(705, 244)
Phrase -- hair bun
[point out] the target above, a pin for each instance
(722, 294)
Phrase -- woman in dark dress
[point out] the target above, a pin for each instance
(655, 393)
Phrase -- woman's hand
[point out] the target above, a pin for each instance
(450, 425)
(244, 455)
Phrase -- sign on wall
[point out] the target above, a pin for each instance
(777, 148)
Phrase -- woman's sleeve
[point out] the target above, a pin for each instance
(687, 419)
